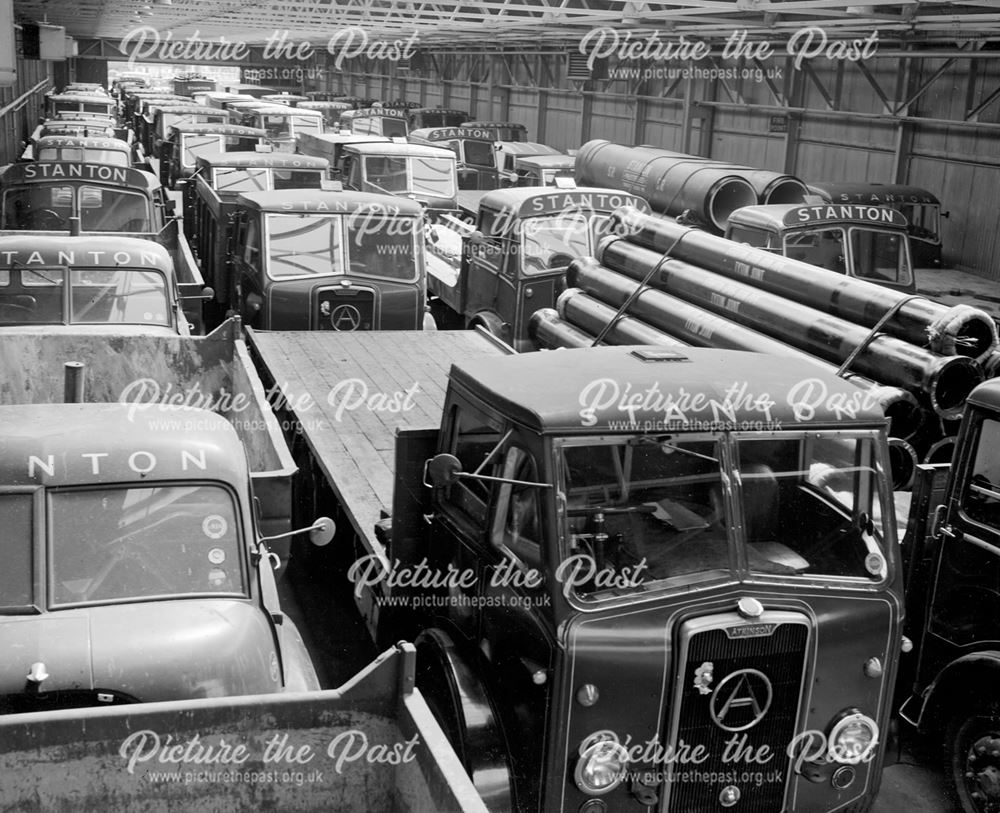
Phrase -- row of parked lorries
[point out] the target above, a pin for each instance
(660, 576)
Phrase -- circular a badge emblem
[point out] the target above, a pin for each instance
(275, 671)
(214, 526)
(216, 556)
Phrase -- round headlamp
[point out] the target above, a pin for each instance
(602, 764)
(852, 739)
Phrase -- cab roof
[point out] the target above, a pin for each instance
(527, 201)
(33, 250)
(611, 389)
(986, 395)
(83, 98)
(62, 444)
(864, 192)
(278, 160)
(190, 107)
(86, 142)
(556, 161)
(783, 216)
(218, 129)
(34, 172)
(529, 148)
(396, 148)
(321, 201)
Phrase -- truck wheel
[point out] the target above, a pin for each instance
(463, 710)
(972, 758)
(488, 322)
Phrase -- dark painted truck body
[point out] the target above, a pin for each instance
(949, 684)
(312, 259)
(598, 584)
(863, 241)
(920, 207)
(513, 261)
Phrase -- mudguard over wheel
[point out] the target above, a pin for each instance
(463, 710)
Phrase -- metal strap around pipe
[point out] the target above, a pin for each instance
(643, 285)
(874, 332)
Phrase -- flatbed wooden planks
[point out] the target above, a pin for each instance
(350, 392)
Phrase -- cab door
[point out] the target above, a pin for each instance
(247, 272)
(964, 613)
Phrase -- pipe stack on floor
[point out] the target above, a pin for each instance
(924, 359)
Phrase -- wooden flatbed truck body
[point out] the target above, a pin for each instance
(542, 686)
(362, 387)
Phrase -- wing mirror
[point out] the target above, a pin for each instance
(320, 532)
(442, 470)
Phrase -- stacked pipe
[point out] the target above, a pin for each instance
(921, 357)
(944, 329)
(675, 183)
(686, 323)
(944, 381)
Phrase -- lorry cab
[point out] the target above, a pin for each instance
(257, 91)
(474, 147)
(45, 196)
(867, 242)
(920, 207)
(427, 175)
(188, 85)
(281, 123)
(185, 143)
(378, 120)
(219, 98)
(111, 151)
(514, 261)
(625, 564)
(136, 571)
(507, 154)
(330, 111)
(100, 199)
(952, 547)
(424, 117)
(505, 130)
(160, 119)
(89, 284)
(285, 98)
(97, 103)
(331, 146)
(321, 260)
(542, 170)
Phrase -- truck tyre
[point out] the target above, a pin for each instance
(972, 757)
(462, 708)
(489, 322)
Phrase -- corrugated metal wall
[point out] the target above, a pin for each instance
(733, 120)
(21, 107)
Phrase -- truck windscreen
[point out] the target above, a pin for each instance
(49, 206)
(396, 174)
(96, 296)
(880, 256)
(119, 543)
(81, 155)
(657, 508)
(552, 241)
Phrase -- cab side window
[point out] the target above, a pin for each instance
(751, 237)
(517, 523)
(251, 244)
(981, 501)
(474, 437)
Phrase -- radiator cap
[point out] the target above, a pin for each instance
(749, 607)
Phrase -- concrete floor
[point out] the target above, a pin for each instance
(956, 287)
